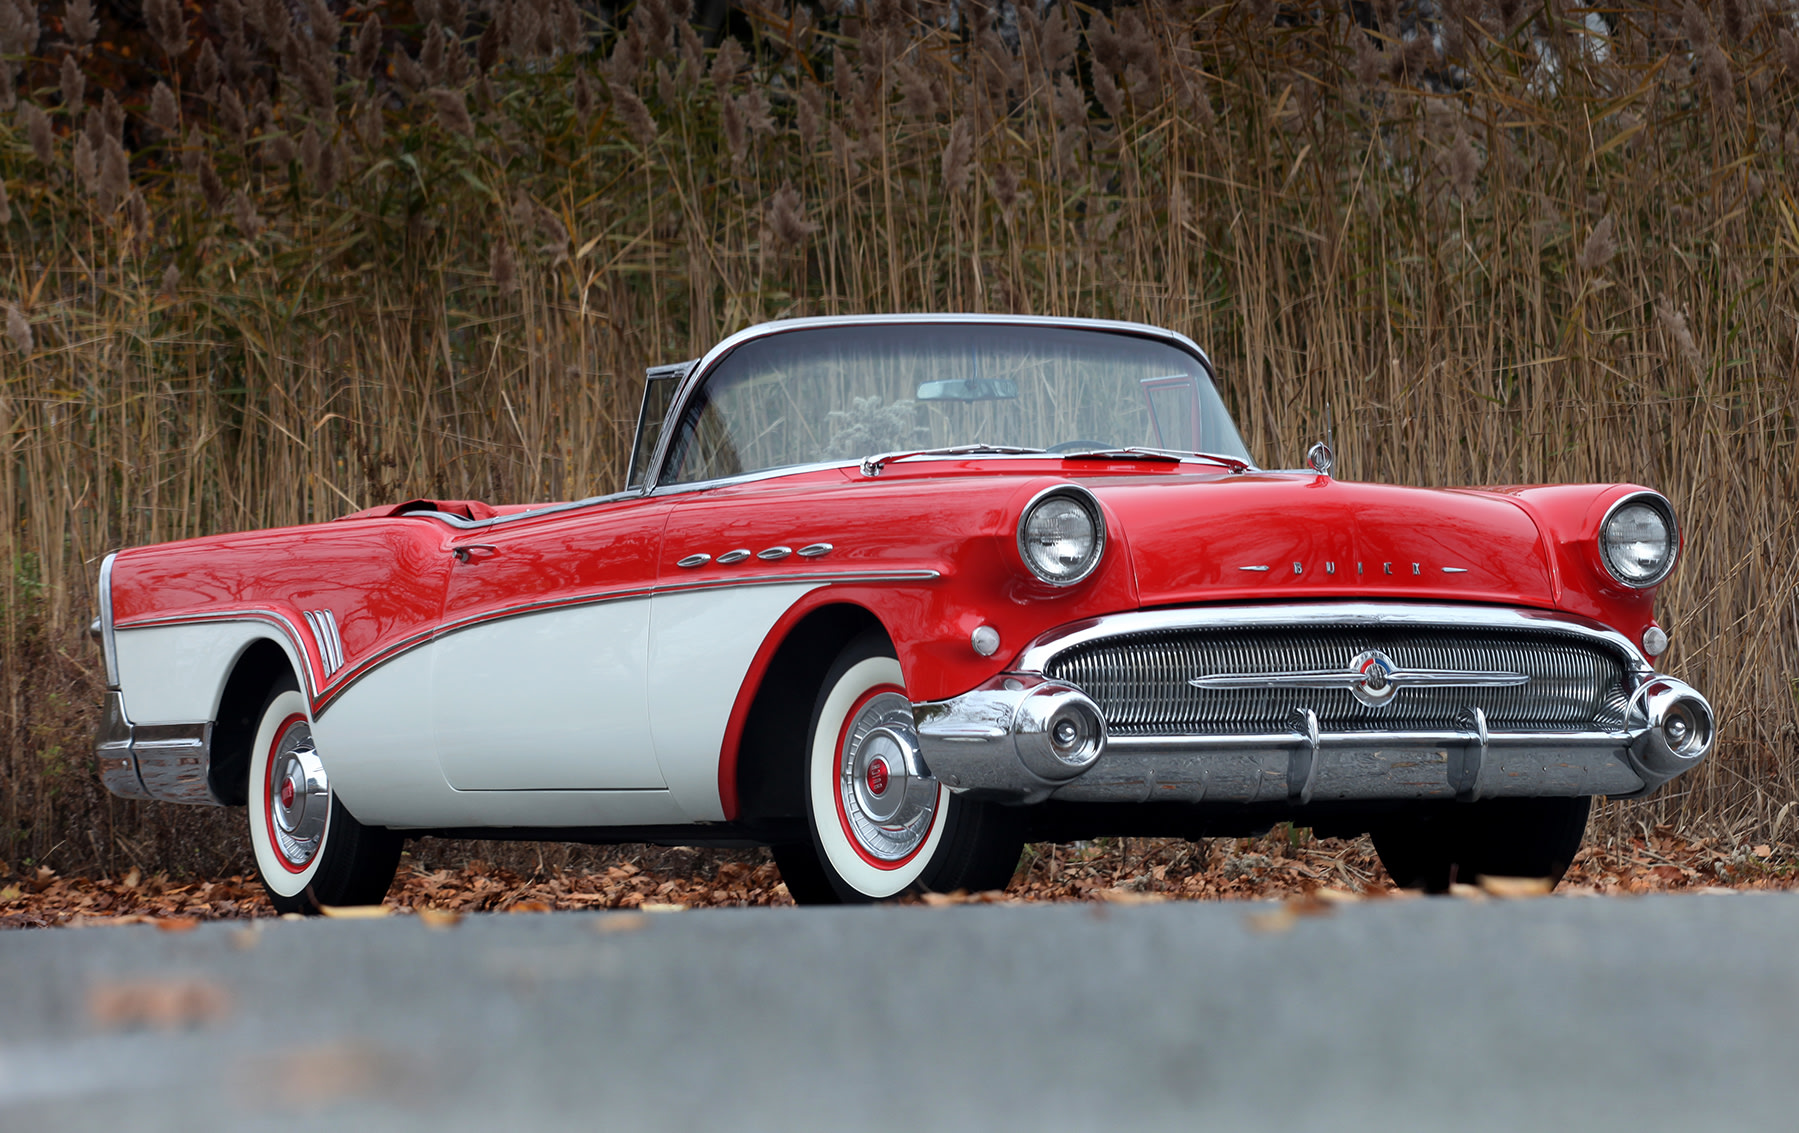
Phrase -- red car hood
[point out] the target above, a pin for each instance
(1278, 536)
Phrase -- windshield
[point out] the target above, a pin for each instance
(848, 392)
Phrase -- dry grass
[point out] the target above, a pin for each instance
(1565, 252)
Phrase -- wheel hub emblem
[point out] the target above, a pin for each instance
(877, 777)
(287, 793)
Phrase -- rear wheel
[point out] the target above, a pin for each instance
(310, 850)
(880, 826)
(1493, 838)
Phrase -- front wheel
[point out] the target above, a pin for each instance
(310, 850)
(1462, 843)
(881, 825)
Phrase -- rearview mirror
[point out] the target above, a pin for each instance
(969, 389)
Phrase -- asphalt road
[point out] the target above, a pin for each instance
(1650, 1014)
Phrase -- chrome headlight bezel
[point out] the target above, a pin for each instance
(1658, 503)
(1088, 503)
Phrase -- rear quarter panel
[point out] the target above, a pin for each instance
(183, 612)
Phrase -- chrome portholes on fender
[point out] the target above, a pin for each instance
(310, 850)
(743, 554)
(881, 823)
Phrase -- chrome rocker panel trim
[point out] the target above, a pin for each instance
(171, 762)
(978, 741)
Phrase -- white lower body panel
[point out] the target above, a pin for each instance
(375, 741)
(176, 674)
(610, 714)
(548, 701)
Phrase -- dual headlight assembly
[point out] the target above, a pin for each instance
(1062, 534)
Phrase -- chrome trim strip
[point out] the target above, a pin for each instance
(295, 638)
(871, 465)
(109, 644)
(324, 630)
(821, 576)
(113, 760)
(1433, 738)
(750, 477)
(336, 639)
(703, 369)
(1036, 656)
(318, 635)
(443, 629)
(1424, 678)
(1667, 510)
(461, 524)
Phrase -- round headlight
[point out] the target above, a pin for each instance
(1061, 536)
(1638, 541)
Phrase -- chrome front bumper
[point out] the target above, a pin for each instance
(170, 762)
(992, 740)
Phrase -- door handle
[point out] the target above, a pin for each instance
(466, 552)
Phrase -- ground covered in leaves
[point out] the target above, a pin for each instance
(1286, 865)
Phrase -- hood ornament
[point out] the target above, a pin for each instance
(1320, 458)
(1372, 678)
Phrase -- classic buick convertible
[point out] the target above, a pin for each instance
(893, 595)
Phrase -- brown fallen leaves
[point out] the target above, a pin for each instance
(1310, 875)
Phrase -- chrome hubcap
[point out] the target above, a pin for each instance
(888, 800)
(299, 796)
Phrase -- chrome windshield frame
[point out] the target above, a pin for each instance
(703, 370)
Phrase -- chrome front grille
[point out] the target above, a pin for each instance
(1140, 681)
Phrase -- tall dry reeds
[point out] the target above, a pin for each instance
(337, 257)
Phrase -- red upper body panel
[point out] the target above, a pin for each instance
(1176, 535)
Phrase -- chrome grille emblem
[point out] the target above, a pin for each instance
(1372, 678)
(1376, 668)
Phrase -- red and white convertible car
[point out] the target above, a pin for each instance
(893, 595)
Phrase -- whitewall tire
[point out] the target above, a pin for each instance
(880, 825)
(310, 851)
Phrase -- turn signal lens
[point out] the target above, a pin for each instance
(1638, 542)
(1061, 535)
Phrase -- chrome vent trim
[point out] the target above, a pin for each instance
(1141, 680)
(323, 624)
